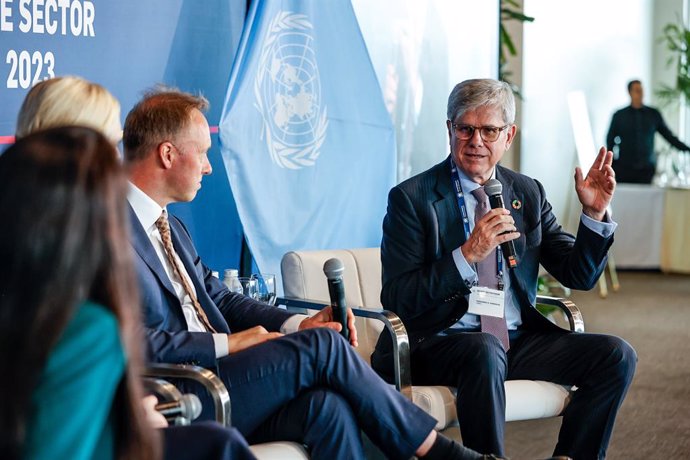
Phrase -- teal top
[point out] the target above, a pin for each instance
(71, 407)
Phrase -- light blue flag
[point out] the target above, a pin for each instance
(305, 136)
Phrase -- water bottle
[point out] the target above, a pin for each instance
(231, 280)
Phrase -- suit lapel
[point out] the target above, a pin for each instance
(513, 199)
(449, 219)
(186, 259)
(214, 316)
(143, 247)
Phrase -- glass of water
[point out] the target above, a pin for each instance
(266, 287)
(249, 287)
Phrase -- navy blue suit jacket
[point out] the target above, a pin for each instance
(168, 339)
(423, 226)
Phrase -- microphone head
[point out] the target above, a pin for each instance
(333, 268)
(190, 405)
(493, 187)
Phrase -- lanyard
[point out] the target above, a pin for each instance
(466, 221)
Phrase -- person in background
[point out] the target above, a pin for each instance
(631, 135)
(71, 100)
(440, 254)
(70, 356)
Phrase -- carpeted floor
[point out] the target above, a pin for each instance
(652, 312)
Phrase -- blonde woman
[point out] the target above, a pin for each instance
(66, 101)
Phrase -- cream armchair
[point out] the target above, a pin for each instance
(303, 278)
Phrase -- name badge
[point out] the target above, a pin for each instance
(486, 301)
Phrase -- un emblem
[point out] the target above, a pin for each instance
(288, 93)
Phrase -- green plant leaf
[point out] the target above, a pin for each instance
(508, 14)
(507, 41)
(676, 37)
(510, 10)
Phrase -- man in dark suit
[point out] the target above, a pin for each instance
(290, 377)
(440, 254)
(631, 134)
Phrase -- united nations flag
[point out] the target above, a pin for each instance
(305, 135)
(288, 92)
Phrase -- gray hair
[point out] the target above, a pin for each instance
(472, 94)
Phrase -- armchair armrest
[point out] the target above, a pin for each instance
(209, 380)
(575, 319)
(169, 392)
(393, 325)
(162, 388)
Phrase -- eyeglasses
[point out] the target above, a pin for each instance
(488, 133)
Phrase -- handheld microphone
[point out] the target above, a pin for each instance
(188, 407)
(494, 188)
(333, 268)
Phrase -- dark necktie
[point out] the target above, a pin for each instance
(164, 228)
(487, 273)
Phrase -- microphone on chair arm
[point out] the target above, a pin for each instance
(333, 269)
(493, 188)
(188, 407)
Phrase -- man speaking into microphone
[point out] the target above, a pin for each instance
(460, 269)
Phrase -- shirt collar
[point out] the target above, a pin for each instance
(467, 184)
(145, 208)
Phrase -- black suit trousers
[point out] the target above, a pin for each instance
(475, 363)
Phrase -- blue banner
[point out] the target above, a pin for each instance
(129, 46)
(306, 139)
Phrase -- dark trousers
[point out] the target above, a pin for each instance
(204, 441)
(601, 366)
(312, 387)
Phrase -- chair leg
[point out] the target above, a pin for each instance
(603, 289)
(615, 285)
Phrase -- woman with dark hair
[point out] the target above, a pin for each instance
(68, 351)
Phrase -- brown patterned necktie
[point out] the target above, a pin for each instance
(164, 228)
(487, 273)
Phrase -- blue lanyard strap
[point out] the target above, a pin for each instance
(466, 221)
